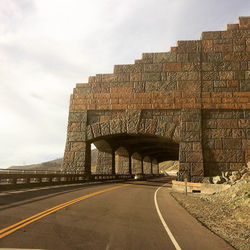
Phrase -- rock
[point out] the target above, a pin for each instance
(243, 171)
(245, 176)
(235, 176)
(223, 174)
(218, 179)
(206, 180)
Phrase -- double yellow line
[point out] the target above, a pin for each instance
(8, 230)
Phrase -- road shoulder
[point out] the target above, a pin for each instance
(188, 232)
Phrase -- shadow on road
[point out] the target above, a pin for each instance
(166, 181)
(32, 195)
(12, 199)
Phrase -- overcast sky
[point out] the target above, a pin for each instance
(47, 46)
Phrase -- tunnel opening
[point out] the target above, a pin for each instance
(133, 153)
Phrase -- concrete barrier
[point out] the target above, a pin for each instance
(204, 188)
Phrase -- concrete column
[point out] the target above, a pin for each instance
(191, 153)
(130, 163)
(142, 170)
(113, 161)
(87, 163)
(104, 163)
(77, 148)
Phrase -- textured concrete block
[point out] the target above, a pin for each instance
(79, 156)
(165, 57)
(151, 76)
(209, 35)
(115, 126)
(196, 96)
(155, 67)
(76, 136)
(171, 67)
(244, 22)
(78, 146)
(78, 116)
(135, 77)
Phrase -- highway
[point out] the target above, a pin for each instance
(101, 216)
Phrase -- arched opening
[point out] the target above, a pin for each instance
(143, 150)
(94, 153)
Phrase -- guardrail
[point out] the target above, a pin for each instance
(18, 178)
(21, 171)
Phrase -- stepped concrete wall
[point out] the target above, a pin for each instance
(191, 103)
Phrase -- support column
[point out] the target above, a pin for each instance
(190, 153)
(142, 170)
(151, 170)
(130, 163)
(87, 163)
(113, 161)
(77, 155)
(104, 163)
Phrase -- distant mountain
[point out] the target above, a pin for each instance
(54, 165)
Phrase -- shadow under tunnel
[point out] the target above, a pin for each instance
(133, 153)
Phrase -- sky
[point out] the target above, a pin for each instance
(47, 46)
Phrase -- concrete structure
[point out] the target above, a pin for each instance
(190, 104)
(205, 188)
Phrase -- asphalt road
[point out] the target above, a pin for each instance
(103, 216)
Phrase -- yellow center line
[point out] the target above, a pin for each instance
(8, 230)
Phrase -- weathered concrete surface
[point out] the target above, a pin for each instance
(191, 104)
(204, 188)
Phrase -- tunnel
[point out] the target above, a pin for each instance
(133, 153)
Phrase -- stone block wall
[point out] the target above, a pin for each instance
(196, 95)
(226, 140)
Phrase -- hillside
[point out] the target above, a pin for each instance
(168, 167)
(53, 165)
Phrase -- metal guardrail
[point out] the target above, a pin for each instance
(20, 171)
(15, 177)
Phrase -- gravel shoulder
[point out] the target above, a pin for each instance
(226, 213)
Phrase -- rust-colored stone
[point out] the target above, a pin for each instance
(197, 95)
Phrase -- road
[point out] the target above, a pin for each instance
(101, 216)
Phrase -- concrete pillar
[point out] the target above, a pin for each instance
(77, 154)
(130, 163)
(142, 170)
(104, 163)
(147, 165)
(87, 163)
(155, 166)
(113, 162)
(190, 152)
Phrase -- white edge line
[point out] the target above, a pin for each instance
(171, 236)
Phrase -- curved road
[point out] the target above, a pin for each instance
(100, 216)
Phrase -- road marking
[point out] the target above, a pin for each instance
(171, 236)
(8, 230)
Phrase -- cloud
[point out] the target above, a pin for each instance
(14, 14)
(48, 46)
